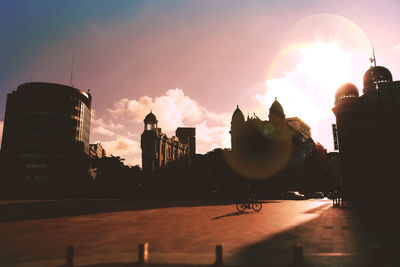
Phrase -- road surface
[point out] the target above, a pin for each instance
(175, 234)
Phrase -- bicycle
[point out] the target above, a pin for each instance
(251, 203)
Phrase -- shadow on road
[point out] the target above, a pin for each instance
(246, 212)
(233, 214)
(41, 209)
(337, 237)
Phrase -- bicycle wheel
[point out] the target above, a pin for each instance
(256, 206)
(241, 207)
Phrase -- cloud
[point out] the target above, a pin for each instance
(103, 131)
(173, 109)
(209, 138)
(125, 148)
(103, 127)
(99, 122)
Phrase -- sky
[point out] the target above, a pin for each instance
(192, 62)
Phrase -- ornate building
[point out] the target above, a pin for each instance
(264, 148)
(158, 150)
(96, 151)
(368, 134)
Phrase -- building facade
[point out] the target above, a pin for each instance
(46, 131)
(158, 150)
(96, 151)
(264, 148)
(368, 134)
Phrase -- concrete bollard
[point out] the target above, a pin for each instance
(143, 255)
(298, 259)
(69, 261)
(377, 257)
(218, 255)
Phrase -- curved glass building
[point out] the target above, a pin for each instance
(46, 131)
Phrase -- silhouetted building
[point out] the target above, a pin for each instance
(187, 136)
(368, 135)
(46, 131)
(301, 128)
(265, 148)
(158, 150)
(96, 151)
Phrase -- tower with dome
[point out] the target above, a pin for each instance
(368, 135)
(158, 150)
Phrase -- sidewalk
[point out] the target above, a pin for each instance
(334, 238)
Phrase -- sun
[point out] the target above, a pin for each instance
(307, 90)
(316, 56)
(325, 64)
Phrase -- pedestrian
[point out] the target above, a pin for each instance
(335, 196)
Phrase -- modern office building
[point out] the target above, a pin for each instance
(158, 150)
(46, 132)
(368, 134)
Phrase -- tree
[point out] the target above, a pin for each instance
(114, 178)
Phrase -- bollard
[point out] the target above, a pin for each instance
(69, 262)
(377, 257)
(218, 255)
(298, 255)
(143, 256)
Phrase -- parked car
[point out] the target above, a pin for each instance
(317, 195)
(295, 195)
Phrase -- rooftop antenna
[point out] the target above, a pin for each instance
(71, 79)
(373, 59)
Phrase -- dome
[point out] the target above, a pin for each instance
(238, 115)
(376, 75)
(150, 118)
(347, 90)
(276, 108)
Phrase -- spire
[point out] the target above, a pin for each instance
(71, 79)
(373, 59)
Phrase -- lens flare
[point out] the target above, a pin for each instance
(318, 54)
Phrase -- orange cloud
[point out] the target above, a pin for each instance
(125, 148)
(173, 109)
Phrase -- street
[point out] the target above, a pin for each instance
(182, 234)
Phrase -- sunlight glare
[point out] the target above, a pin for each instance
(318, 54)
(325, 64)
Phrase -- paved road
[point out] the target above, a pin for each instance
(180, 234)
